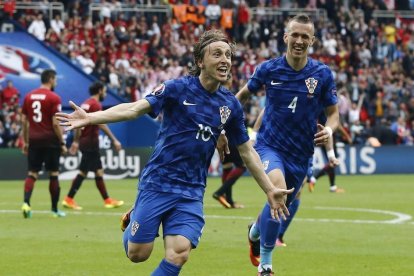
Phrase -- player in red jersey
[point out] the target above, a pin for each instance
(43, 139)
(87, 140)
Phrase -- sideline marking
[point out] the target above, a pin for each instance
(401, 218)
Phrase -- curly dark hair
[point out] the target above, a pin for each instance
(206, 39)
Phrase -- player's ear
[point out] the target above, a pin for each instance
(285, 37)
(312, 41)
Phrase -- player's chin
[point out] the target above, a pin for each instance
(222, 77)
(298, 54)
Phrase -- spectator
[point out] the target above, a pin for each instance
(355, 111)
(400, 129)
(213, 13)
(357, 132)
(57, 24)
(38, 27)
(113, 79)
(4, 136)
(86, 62)
(10, 95)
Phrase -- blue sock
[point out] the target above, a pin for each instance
(293, 208)
(166, 269)
(266, 256)
(269, 231)
(125, 238)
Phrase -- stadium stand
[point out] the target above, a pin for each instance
(134, 45)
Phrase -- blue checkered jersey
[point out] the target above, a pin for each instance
(192, 121)
(294, 100)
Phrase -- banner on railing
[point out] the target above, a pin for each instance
(129, 163)
(126, 163)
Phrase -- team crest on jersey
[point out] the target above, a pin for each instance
(134, 228)
(311, 84)
(224, 114)
(158, 90)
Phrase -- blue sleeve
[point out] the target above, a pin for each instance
(236, 130)
(257, 80)
(329, 96)
(158, 98)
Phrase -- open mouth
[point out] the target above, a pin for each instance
(223, 71)
(298, 49)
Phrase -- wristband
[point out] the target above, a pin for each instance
(331, 154)
(253, 135)
(223, 132)
(329, 130)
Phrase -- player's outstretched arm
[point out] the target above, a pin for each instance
(275, 196)
(121, 112)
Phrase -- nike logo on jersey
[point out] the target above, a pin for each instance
(275, 83)
(187, 103)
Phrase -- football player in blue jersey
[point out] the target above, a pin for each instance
(298, 89)
(294, 205)
(196, 109)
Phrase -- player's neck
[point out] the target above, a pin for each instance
(297, 64)
(46, 86)
(209, 84)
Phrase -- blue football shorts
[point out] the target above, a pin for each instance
(177, 214)
(293, 171)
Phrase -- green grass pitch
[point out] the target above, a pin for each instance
(368, 230)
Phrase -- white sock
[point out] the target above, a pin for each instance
(261, 267)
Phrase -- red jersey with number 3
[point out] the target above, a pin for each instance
(89, 139)
(39, 106)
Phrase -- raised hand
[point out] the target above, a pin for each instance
(77, 119)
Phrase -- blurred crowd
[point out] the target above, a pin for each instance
(372, 58)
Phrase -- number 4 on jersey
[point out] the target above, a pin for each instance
(292, 104)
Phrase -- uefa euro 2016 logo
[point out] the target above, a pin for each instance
(22, 62)
(311, 84)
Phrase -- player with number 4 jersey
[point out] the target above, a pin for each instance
(298, 89)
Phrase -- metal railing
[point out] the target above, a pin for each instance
(393, 14)
(267, 12)
(136, 9)
(48, 7)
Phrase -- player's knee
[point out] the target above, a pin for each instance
(178, 257)
(34, 175)
(137, 256)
